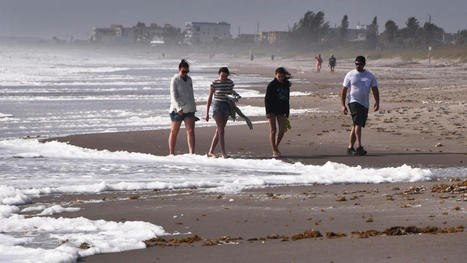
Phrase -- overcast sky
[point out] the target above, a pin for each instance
(65, 18)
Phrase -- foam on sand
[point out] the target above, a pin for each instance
(61, 238)
(56, 209)
(59, 168)
(96, 171)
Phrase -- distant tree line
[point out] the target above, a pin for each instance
(312, 29)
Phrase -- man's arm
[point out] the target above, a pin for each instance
(343, 96)
(376, 95)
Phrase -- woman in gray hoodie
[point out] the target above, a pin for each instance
(182, 107)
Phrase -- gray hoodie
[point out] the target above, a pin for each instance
(181, 95)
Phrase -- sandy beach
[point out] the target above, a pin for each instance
(422, 123)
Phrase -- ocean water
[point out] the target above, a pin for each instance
(49, 93)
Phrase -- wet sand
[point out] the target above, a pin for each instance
(263, 225)
(422, 122)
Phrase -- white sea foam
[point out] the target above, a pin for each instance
(4, 115)
(56, 209)
(33, 208)
(62, 237)
(261, 111)
(118, 175)
(299, 93)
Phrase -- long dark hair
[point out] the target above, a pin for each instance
(287, 75)
(183, 64)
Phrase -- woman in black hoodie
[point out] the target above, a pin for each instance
(278, 107)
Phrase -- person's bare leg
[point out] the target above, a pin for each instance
(219, 135)
(221, 121)
(215, 139)
(281, 121)
(175, 127)
(352, 137)
(272, 134)
(358, 135)
(190, 133)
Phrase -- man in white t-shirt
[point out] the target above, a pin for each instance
(359, 82)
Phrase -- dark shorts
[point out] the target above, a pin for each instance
(175, 117)
(221, 107)
(359, 113)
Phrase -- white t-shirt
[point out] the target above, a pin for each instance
(359, 84)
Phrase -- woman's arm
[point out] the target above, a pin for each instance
(268, 99)
(288, 100)
(175, 97)
(211, 92)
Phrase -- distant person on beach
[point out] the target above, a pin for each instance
(277, 107)
(182, 107)
(221, 89)
(319, 61)
(332, 62)
(359, 81)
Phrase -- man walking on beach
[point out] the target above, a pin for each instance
(359, 81)
(332, 62)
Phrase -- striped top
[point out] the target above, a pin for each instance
(222, 89)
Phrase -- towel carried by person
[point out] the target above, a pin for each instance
(234, 110)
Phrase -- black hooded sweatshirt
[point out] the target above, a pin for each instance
(277, 97)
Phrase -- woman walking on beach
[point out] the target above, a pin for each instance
(182, 107)
(319, 61)
(278, 107)
(221, 89)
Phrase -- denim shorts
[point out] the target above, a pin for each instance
(221, 107)
(175, 117)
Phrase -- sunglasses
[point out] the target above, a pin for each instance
(358, 63)
(185, 71)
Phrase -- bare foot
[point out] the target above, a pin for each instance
(225, 156)
(212, 155)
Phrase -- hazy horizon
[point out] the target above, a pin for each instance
(66, 18)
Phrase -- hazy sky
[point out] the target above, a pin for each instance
(64, 18)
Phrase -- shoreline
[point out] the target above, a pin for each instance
(239, 141)
(406, 131)
(272, 223)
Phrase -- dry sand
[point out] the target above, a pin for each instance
(422, 122)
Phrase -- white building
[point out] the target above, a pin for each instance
(204, 32)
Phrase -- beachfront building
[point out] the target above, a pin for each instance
(271, 37)
(358, 33)
(120, 34)
(353, 34)
(246, 38)
(204, 32)
(102, 35)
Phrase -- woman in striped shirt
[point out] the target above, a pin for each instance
(221, 89)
